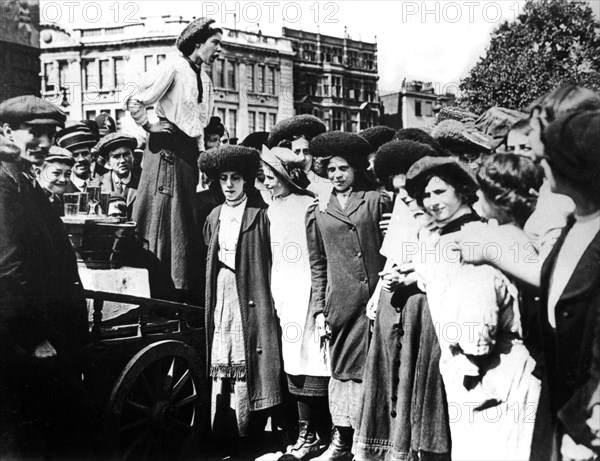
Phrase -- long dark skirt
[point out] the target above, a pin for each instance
(164, 204)
(403, 394)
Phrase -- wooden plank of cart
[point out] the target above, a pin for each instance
(145, 369)
(149, 377)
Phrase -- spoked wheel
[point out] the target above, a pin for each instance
(158, 406)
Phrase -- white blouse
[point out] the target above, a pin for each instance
(230, 224)
(172, 89)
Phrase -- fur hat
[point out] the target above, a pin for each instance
(197, 31)
(419, 135)
(305, 125)
(397, 156)
(244, 160)
(377, 135)
(350, 146)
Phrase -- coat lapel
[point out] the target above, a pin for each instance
(334, 209)
(586, 273)
(355, 200)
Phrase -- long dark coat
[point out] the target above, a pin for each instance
(343, 248)
(568, 348)
(260, 327)
(164, 204)
(41, 298)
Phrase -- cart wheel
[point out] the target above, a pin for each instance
(158, 406)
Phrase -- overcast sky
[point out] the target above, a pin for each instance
(431, 40)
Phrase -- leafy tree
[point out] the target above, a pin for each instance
(551, 42)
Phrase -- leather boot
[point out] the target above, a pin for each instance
(308, 444)
(340, 447)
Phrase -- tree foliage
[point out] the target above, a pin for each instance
(551, 42)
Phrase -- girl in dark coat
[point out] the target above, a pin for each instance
(344, 239)
(243, 340)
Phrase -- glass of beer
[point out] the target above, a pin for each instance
(71, 202)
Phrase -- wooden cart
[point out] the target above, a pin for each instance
(147, 371)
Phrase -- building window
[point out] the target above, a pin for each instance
(91, 76)
(119, 116)
(231, 81)
(105, 80)
(251, 122)
(50, 80)
(418, 111)
(219, 74)
(119, 72)
(250, 76)
(272, 121)
(270, 80)
(260, 79)
(337, 87)
(338, 120)
(429, 109)
(62, 73)
(90, 114)
(262, 121)
(232, 123)
(148, 63)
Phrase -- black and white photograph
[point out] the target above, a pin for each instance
(319, 230)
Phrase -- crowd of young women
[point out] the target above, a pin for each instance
(415, 296)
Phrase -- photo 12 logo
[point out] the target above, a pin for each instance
(272, 12)
(90, 12)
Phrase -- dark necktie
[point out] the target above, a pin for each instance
(198, 70)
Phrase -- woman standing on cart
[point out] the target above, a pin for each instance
(344, 239)
(243, 339)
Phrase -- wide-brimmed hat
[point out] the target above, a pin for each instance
(495, 124)
(418, 174)
(305, 125)
(460, 138)
(244, 160)
(286, 166)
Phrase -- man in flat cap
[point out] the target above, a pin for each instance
(117, 149)
(80, 139)
(181, 93)
(54, 176)
(43, 315)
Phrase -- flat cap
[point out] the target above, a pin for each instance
(198, 30)
(571, 145)
(76, 135)
(113, 141)
(377, 135)
(60, 155)
(32, 110)
(244, 160)
(305, 125)
(106, 124)
(397, 156)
